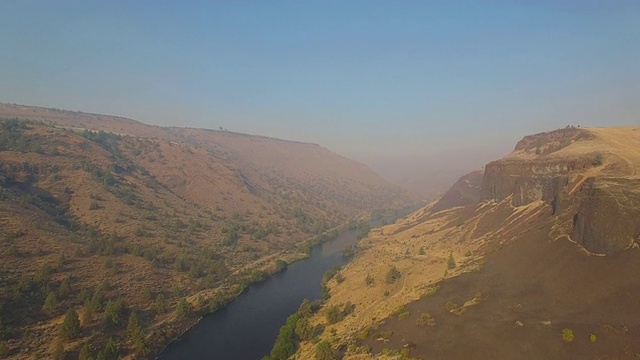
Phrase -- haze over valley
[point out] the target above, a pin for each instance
(319, 180)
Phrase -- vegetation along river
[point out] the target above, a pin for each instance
(247, 327)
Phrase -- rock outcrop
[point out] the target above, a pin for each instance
(586, 175)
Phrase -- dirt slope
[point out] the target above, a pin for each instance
(543, 266)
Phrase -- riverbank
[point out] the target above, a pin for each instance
(211, 301)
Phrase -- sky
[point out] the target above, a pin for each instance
(372, 80)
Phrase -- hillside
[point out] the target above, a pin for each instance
(115, 219)
(539, 260)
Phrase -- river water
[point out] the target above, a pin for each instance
(247, 328)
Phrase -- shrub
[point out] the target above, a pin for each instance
(450, 305)
(369, 281)
(50, 304)
(324, 293)
(425, 319)
(324, 351)
(281, 265)
(333, 314)
(592, 338)
(451, 262)
(597, 160)
(392, 275)
(404, 315)
(567, 335)
(304, 330)
(431, 290)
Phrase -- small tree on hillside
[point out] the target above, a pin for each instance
(304, 330)
(392, 275)
(133, 327)
(324, 351)
(70, 328)
(50, 304)
(369, 281)
(451, 262)
(183, 310)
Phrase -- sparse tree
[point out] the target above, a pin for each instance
(111, 350)
(305, 309)
(64, 291)
(50, 304)
(183, 310)
(369, 281)
(304, 330)
(70, 328)
(451, 262)
(112, 316)
(87, 312)
(333, 314)
(133, 327)
(324, 351)
(392, 275)
(85, 353)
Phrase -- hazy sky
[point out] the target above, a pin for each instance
(363, 78)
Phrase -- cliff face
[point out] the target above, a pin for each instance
(532, 172)
(606, 220)
(587, 176)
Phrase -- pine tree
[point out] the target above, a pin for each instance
(70, 328)
(87, 312)
(64, 291)
(113, 313)
(133, 327)
(85, 353)
(50, 304)
(111, 350)
(183, 309)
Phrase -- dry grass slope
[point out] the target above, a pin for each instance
(150, 216)
(509, 275)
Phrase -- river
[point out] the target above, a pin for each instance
(247, 328)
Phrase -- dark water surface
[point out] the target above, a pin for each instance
(247, 328)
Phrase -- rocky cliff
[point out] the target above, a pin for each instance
(586, 175)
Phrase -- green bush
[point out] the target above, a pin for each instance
(451, 262)
(392, 275)
(597, 160)
(567, 335)
(324, 351)
(183, 309)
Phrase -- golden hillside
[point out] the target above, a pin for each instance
(111, 225)
(542, 265)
